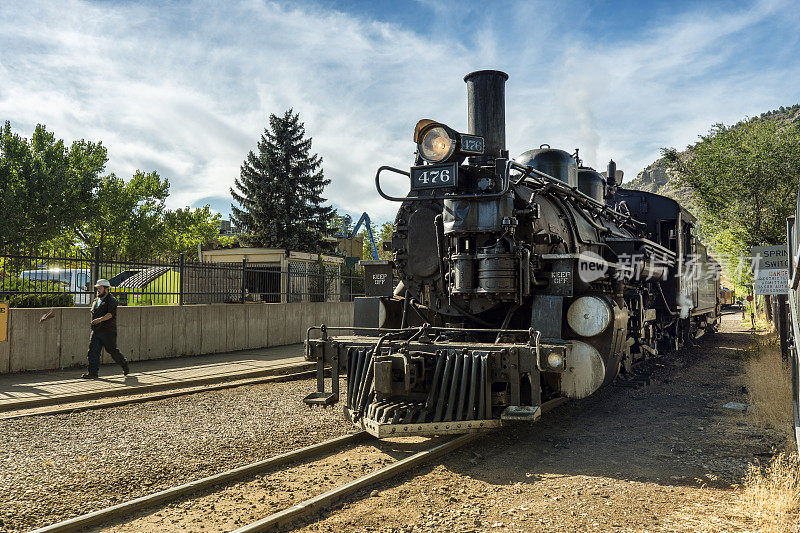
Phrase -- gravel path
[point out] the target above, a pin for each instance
(56, 467)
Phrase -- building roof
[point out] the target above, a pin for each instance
(264, 255)
(143, 278)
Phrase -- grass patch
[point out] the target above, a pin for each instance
(769, 384)
(771, 495)
(745, 354)
(768, 498)
(767, 501)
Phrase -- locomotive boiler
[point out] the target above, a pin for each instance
(521, 280)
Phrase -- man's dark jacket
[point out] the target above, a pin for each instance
(100, 308)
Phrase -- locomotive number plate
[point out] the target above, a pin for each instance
(472, 144)
(434, 176)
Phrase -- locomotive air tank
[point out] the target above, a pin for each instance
(591, 183)
(556, 163)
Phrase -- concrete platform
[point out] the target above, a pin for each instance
(34, 389)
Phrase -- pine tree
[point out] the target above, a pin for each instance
(279, 191)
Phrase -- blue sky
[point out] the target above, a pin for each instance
(186, 88)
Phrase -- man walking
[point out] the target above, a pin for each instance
(104, 330)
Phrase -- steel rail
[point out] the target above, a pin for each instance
(161, 395)
(333, 496)
(288, 515)
(36, 402)
(326, 499)
(116, 511)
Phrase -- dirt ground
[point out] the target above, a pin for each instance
(665, 457)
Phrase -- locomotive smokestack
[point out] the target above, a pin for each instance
(486, 109)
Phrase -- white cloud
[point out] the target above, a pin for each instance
(189, 92)
(626, 99)
(186, 89)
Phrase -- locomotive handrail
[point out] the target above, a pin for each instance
(570, 189)
(506, 188)
(414, 328)
(378, 182)
(324, 329)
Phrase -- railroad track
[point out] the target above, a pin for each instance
(290, 514)
(83, 405)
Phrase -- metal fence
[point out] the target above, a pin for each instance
(66, 278)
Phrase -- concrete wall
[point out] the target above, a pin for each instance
(162, 331)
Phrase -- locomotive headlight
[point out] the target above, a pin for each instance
(436, 145)
(555, 360)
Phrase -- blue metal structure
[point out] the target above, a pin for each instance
(351, 234)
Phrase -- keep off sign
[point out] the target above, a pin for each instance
(3, 322)
(378, 278)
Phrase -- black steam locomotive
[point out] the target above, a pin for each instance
(521, 281)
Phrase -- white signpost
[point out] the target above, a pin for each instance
(771, 265)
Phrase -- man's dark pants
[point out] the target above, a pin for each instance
(104, 339)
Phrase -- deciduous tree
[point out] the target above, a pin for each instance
(745, 182)
(380, 233)
(45, 186)
(131, 220)
(127, 218)
(186, 228)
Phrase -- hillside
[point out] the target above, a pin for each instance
(658, 179)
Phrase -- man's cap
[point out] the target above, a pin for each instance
(102, 283)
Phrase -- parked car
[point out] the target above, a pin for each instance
(76, 281)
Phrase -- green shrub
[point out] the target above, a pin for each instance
(31, 299)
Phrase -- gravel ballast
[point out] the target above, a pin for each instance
(58, 467)
(663, 456)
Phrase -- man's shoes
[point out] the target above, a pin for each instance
(126, 369)
(89, 376)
